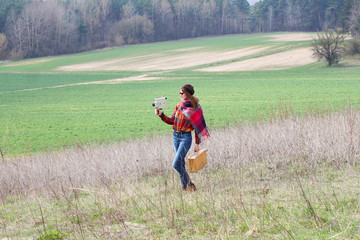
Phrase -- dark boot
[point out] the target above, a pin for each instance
(191, 187)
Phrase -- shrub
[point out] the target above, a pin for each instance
(3, 45)
(52, 235)
(16, 54)
(118, 40)
(353, 47)
(133, 30)
(101, 44)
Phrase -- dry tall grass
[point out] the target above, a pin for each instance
(333, 139)
(290, 178)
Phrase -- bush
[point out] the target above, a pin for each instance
(353, 47)
(133, 30)
(16, 54)
(52, 235)
(101, 44)
(119, 40)
(3, 46)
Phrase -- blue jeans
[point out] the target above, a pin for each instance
(182, 144)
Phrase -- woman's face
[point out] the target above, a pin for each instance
(183, 95)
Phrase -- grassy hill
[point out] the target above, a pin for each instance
(105, 96)
(85, 157)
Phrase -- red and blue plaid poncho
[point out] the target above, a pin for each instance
(185, 118)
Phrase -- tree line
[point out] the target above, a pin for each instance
(34, 28)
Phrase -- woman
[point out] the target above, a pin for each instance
(187, 116)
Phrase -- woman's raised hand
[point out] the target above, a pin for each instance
(158, 112)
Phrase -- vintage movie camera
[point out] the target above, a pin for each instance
(159, 103)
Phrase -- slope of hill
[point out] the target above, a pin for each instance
(83, 155)
(293, 178)
(105, 96)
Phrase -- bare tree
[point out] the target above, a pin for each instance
(3, 46)
(88, 13)
(62, 29)
(64, 22)
(354, 20)
(162, 19)
(271, 17)
(58, 15)
(185, 15)
(223, 15)
(208, 17)
(43, 28)
(137, 29)
(104, 10)
(37, 29)
(292, 15)
(129, 10)
(233, 16)
(328, 46)
(16, 35)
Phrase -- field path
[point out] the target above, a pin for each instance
(277, 61)
(169, 61)
(291, 37)
(141, 77)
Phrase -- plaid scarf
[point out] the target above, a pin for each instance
(196, 118)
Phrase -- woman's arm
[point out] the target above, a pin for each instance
(197, 142)
(165, 118)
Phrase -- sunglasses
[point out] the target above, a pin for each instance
(181, 93)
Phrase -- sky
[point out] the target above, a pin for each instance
(252, 2)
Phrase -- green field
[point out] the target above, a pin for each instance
(53, 112)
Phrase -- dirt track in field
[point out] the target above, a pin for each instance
(282, 60)
(142, 77)
(28, 62)
(155, 62)
(292, 37)
(277, 61)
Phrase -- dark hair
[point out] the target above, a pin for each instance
(189, 91)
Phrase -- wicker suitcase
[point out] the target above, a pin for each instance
(197, 161)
